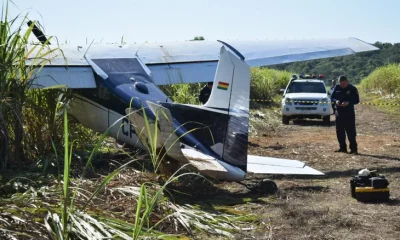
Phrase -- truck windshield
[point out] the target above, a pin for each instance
(306, 87)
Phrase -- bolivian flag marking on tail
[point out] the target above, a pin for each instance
(223, 85)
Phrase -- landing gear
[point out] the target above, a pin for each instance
(265, 186)
(119, 144)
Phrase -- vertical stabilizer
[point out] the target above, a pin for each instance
(231, 93)
(220, 127)
(231, 89)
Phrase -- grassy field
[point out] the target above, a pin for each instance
(384, 80)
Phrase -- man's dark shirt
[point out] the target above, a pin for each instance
(348, 94)
(204, 94)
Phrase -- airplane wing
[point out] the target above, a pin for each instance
(196, 61)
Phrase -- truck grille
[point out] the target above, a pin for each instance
(306, 108)
(305, 102)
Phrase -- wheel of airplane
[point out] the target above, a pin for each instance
(265, 186)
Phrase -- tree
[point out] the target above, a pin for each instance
(200, 38)
(356, 67)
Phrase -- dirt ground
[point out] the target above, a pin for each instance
(322, 208)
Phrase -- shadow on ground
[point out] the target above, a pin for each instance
(309, 123)
(273, 147)
(352, 172)
(308, 188)
(380, 157)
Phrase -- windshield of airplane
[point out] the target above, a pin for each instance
(306, 87)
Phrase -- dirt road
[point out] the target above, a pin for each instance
(323, 208)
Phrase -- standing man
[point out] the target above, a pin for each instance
(345, 96)
(205, 92)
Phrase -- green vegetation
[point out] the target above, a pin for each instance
(25, 116)
(266, 83)
(356, 67)
(198, 38)
(183, 93)
(382, 87)
(385, 80)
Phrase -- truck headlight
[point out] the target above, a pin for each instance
(324, 101)
(288, 101)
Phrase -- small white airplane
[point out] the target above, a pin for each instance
(111, 81)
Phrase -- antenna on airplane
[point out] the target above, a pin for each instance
(38, 33)
(84, 55)
(140, 48)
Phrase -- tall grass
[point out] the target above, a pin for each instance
(18, 106)
(384, 79)
(78, 222)
(266, 83)
(184, 93)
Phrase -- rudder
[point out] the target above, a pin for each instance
(231, 93)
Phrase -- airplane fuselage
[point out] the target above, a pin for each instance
(129, 85)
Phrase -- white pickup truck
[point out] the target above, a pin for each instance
(306, 98)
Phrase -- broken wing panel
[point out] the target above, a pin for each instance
(269, 165)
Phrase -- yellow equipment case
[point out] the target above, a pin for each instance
(371, 188)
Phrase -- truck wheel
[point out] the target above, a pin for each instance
(327, 120)
(285, 120)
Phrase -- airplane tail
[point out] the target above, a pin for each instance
(231, 94)
(215, 135)
(220, 127)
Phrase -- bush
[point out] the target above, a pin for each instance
(183, 93)
(266, 83)
(385, 79)
(29, 125)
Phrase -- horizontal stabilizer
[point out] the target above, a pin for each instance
(210, 166)
(269, 165)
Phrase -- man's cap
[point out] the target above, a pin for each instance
(210, 83)
(342, 78)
